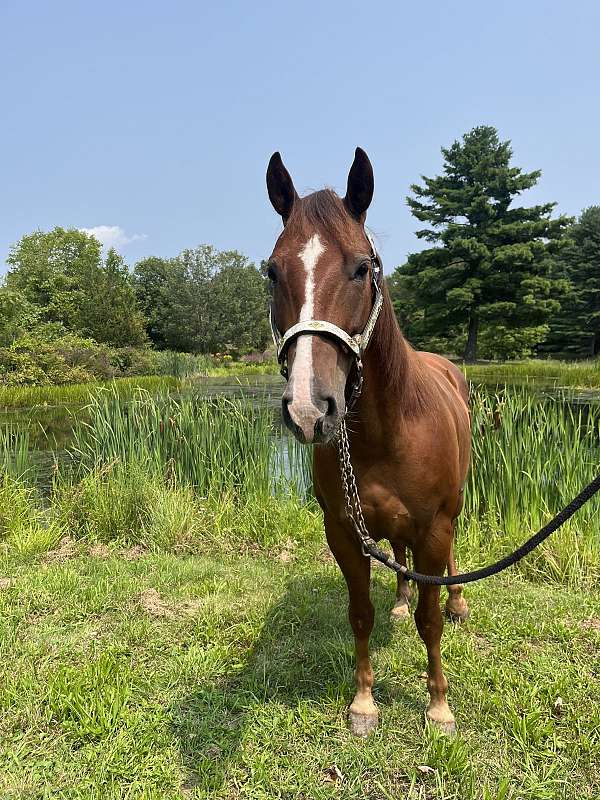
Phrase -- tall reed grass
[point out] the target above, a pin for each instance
(170, 470)
(215, 444)
(531, 456)
(16, 453)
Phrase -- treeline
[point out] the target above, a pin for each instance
(498, 280)
(69, 314)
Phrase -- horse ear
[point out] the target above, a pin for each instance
(280, 187)
(361, 185)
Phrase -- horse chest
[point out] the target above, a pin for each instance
(386, 513)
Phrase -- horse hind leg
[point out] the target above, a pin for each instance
(457, 609)
(363, 714)
(401, 609)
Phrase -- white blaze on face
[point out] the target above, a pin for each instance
(302, 369)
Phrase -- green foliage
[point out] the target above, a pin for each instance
(116, 319)
(48, 357)
(17, 315)
(575, 330)
(125, 503)
(203, 301)
(490, 268)
(61, 274)
(90, 701)
(24, 528)
(36, 360)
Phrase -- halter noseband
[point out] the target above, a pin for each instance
(356, 344)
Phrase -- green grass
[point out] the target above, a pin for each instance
(180, 370)
(531, 457)
(224, 675)
(242, 369)
(171, 625)
(577, 374)
(78, 394)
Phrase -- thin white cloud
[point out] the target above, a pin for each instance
(112, 236)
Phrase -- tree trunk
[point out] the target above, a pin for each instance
(471, 348)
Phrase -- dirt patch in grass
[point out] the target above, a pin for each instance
(154, 605)
(133, 553)
(593, 623)
(65, 550)
(99, 550)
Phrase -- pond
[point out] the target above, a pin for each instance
(50, 427)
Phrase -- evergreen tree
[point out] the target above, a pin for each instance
(488, 274)
(117, 319)
(575, 330)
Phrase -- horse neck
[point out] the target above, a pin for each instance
(394, 387)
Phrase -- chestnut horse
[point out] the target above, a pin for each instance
(409, 431)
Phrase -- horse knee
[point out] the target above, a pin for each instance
(361, 619)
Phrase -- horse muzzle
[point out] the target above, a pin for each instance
(311, 421)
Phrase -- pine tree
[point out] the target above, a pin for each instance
(575, 330)
(488, 276)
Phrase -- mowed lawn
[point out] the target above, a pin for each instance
(128, 674)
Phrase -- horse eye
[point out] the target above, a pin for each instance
(272, 274)
(362, 271)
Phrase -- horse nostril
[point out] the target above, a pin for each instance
(331, 407)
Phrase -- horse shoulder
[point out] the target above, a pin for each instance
(449, 371)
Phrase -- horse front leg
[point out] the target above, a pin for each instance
(363, 715)
(431, 557)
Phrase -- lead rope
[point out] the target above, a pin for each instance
(370, 547)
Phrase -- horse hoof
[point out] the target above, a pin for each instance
(447, 728)
(400, 611)
(441, 717)
(362, 724)
(458, 612)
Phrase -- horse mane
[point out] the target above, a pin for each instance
(403, 372)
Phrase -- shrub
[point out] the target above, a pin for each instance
(49, 357)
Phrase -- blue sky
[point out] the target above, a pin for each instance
(156, 120)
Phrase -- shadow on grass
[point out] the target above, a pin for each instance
(302, 660)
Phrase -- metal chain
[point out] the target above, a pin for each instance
(351, 496)
(370, 548)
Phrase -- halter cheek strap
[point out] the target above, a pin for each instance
(356, 344)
